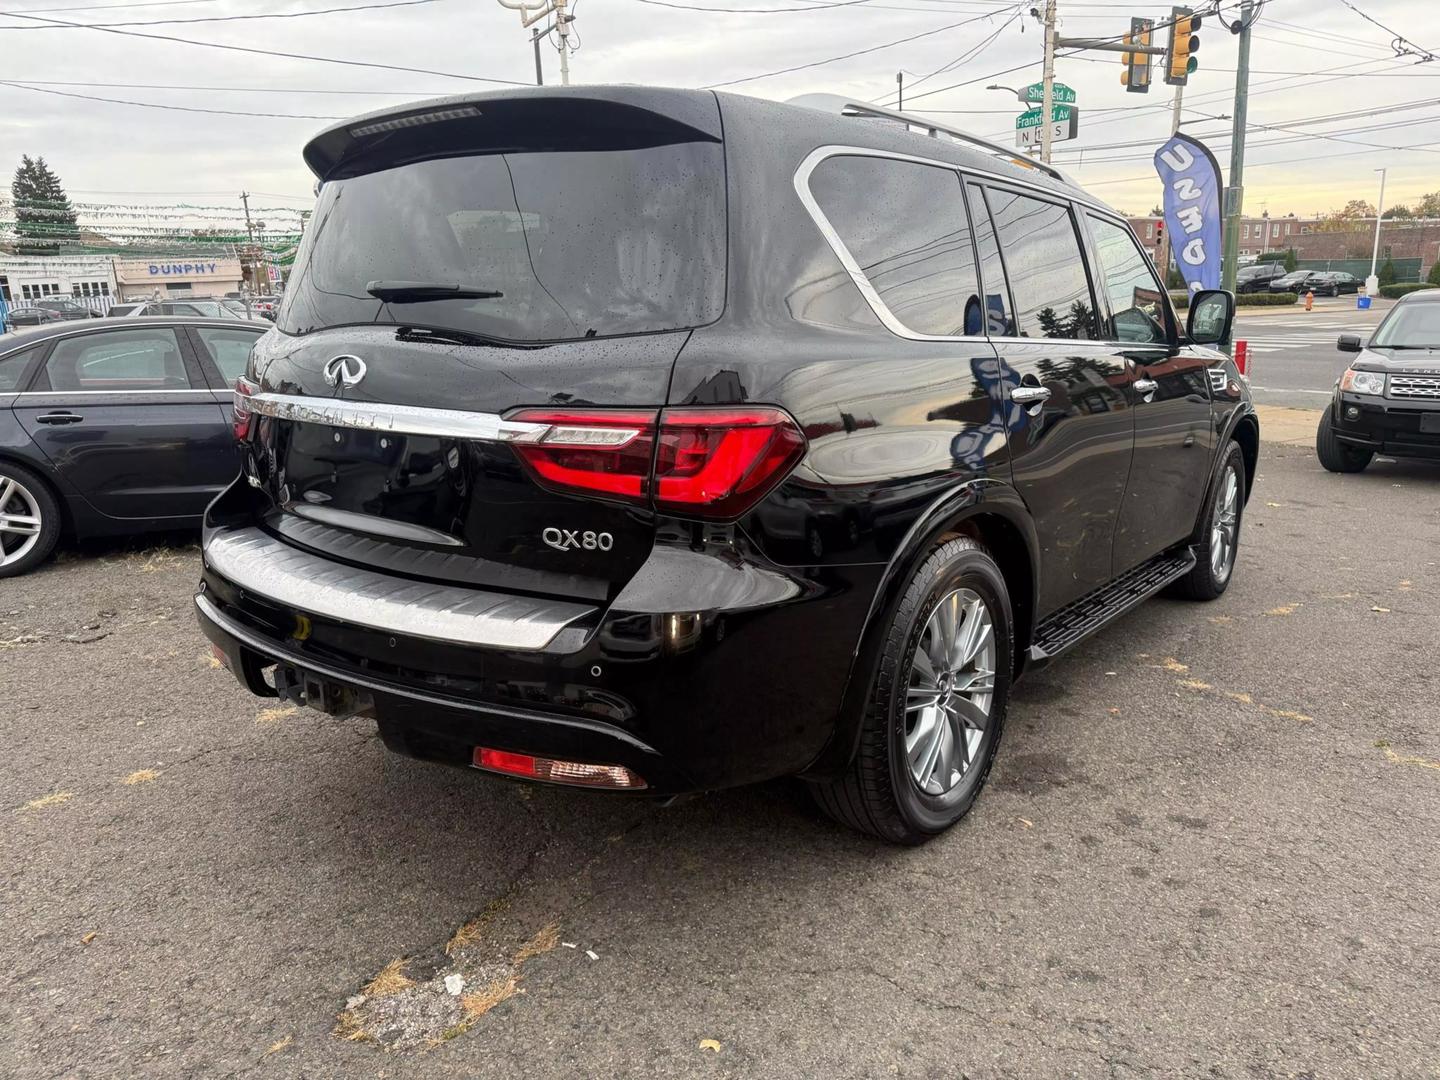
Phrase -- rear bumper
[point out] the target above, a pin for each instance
(1403, 428)
(711, 669)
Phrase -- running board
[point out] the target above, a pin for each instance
(1080, 618)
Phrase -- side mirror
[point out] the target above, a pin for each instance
(1348, 343)
(1212, 313)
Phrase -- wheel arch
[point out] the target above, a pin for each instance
(1246, 432)
(988, 511)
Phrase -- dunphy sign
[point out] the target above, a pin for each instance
(182, 269)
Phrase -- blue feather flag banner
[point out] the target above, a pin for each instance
(1191, 176)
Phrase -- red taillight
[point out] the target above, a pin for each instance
(706, 462)
(243, 389)
(1242, 357)
(579, 773)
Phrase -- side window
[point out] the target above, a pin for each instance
(904, 224)
(998, 318)
(1136, 303)
(12, 369)
(230, 348)
(147, 359)
(1047, 272)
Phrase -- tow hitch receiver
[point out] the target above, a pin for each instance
(302, 688)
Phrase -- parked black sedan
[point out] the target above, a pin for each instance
(1296, 282)
(1257, 278)
(1333, 283)
(114, 426)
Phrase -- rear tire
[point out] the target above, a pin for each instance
(931, 728)
(1219, 532)
(29, 520)
(1335, 455)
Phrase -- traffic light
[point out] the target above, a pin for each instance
(1136, 76)
(1159, 232)
(1180, 62)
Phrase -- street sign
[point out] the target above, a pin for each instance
(1060, 94)
(1065, 124)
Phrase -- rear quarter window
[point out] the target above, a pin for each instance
(14, 367)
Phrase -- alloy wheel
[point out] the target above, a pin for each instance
(951, 688)
(1224, 526)
(20, 521)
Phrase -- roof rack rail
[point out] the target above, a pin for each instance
(845, 107)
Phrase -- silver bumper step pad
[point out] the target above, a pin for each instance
(257, 562)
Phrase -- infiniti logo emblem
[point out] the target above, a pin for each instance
(344, 370)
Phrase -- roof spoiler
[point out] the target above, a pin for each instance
(843, 106)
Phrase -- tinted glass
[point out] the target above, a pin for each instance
(147, 359)
(905, 225)
(1410, 326)
(12, 369)
(230, 348)
(580, 244)
(999, 320)
(1047, 273)
(1136, 303)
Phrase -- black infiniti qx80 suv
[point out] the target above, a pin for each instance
(660, 440)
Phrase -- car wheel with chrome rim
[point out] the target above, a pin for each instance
(937, 705)
(1218, 533)
(29, 520)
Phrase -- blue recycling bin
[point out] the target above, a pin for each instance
(1362, 302)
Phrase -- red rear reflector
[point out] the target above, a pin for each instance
(220, 656)
(703, 462)
(579, 773)
(243, 389)
(1242, 357)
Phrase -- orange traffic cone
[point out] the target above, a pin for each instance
(1310, 300)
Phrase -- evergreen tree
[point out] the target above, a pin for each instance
(1386, 273)
(1434, 277)
(1290, 260)
(44, 217)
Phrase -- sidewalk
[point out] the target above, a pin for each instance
(1289, 427)
(1379, 305)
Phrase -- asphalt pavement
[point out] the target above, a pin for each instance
(1209, 847)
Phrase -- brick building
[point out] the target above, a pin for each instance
(1413, 244)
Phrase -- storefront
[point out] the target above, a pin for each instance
(144, 279)
(89, 279)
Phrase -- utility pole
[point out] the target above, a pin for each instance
(1165, 243)
(250, 232)
(900, 82)
(1047, 104)
(1375, 252)
(1235, 193)
(532, 13)
(535, 41)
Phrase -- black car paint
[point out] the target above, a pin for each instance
(742, 651)
(131, 461)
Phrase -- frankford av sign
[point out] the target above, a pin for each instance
(181, 269)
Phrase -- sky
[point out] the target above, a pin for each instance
(1310, 58)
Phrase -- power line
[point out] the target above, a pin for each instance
(970, 53)
(229, 89)
(168, 108)
(230, 18)
(849, 55)
(1402, 45)
(268, 52)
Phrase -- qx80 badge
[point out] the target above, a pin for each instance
(575, 540)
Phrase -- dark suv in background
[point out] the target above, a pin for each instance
(659, 441)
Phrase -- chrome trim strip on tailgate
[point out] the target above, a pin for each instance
(255, 561)
(400, 419)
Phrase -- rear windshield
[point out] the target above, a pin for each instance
(579, 244)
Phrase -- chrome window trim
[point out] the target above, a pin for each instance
(882, 312)
(399, 419)
(837, 245)
(256, 562)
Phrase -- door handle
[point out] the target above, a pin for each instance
(1030, 395)
(1146, 388)
(59, 418)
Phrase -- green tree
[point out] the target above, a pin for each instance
(1428, 206)
(1398, 213)
(1434, 277)
(44, 217)
(1290, 260)
(1386, 274)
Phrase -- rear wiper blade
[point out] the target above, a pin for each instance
(460, 337)
(410, 292)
